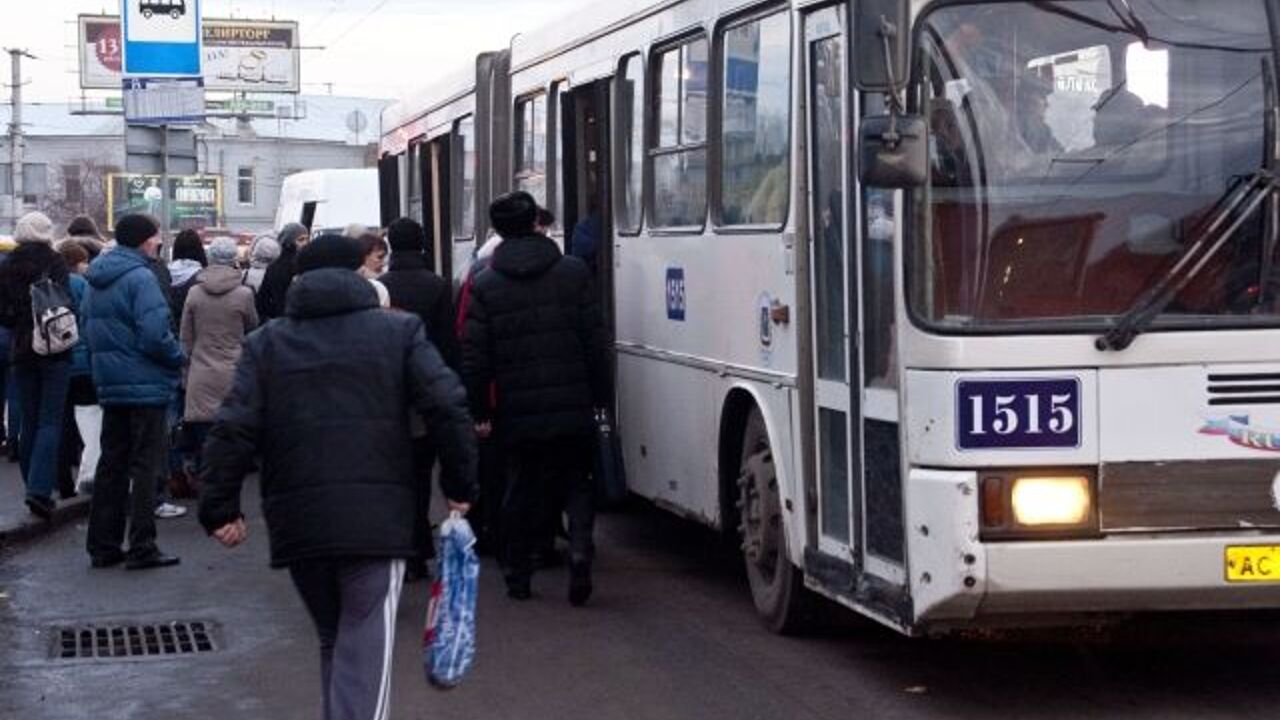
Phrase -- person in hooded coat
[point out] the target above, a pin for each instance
(534, 329)
(218, 315)
(279, 275)
(43, 380)
(262, 253)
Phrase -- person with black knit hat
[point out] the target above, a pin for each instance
(136, 365)
(323, 396)
(415, 288)
(534, 329)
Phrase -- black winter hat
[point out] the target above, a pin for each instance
(406, 235)
(514, 214)
(330, 251)
(132, 230)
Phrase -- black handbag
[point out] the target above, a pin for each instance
(610, 469)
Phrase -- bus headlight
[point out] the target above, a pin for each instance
(1031, 505)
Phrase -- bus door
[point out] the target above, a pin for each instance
(860, 541)
(438, 224)
(833, 282)
(584, 194)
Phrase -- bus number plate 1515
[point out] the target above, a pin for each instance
(1018, 414)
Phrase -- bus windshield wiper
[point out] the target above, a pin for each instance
(1223, 222)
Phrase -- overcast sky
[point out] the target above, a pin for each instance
(373, 48)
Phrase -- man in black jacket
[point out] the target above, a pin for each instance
(535, 331)
(324, 396)
(415, 288)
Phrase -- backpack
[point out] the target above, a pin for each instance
(54, 328)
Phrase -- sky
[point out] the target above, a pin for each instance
(371, 48)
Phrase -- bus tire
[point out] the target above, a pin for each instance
(175, 14)
(777, 586)
(146, 13)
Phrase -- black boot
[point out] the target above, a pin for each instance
(579, 583)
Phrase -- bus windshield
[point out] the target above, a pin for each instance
(1078, 148)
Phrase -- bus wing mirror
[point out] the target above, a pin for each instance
(880, 45)
(893, 152)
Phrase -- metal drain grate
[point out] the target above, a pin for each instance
(112, 642)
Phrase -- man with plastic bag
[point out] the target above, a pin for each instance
(324, 395)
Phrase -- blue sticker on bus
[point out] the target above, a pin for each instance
(1018, 414)
(675, 294)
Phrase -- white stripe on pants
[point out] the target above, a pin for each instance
(353, 604)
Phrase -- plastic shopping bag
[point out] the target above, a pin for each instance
(449, 643)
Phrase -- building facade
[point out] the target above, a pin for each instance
(69, 156)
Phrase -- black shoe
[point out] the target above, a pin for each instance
(151, 561)
(102, 562)
(519, 590)
(41, 507)
(579, 583)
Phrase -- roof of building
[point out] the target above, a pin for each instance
(312, 117)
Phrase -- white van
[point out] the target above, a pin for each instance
(330, 200)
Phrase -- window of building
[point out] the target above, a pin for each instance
(6, 179)
(531, 147)
(35, 183)
(245, 186)
(72, 186)
(680, 143)
(755, 176)
(630, 193)
(464, 174)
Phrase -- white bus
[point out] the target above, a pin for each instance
(330, 200)
(957, 313)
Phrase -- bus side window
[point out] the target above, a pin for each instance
(629, 207)
(679, 154)
(755, 178)
(531, 147)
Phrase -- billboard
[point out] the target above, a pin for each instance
(195, 201)
(238, 55)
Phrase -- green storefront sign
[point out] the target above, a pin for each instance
(195, 201)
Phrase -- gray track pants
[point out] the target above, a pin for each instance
(353, 604)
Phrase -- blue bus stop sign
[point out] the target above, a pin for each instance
(161, 37)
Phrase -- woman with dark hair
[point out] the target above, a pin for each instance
(375, 263)
(81, 418)
(85, 231)
(279, 275)
(189, 259)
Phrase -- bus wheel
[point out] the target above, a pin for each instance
(175, 14)
(146, 13)
(776, 585)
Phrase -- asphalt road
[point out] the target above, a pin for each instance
(670, 634)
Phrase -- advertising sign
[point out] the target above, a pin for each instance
(164, 101)
(161, 37)
(195, 201)
(238, 55)
(101, 52)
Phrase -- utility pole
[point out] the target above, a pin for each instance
(17, 143)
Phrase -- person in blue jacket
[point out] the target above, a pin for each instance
(136, 361)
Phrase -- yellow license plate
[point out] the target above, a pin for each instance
(1254, 564)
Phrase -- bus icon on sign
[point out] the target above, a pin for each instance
(173, 8)
(675, 294)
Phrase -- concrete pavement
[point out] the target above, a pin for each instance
(17, 524)
(669, 635)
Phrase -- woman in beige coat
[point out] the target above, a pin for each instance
(219, 312)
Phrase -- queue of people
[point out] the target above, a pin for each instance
(342, 370)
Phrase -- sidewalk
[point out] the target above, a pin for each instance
(17, 524)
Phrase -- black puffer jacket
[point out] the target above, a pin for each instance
(324, 397)
(534, 327)
(415, 288)
(28, 263)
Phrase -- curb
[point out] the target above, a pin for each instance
(67, 512)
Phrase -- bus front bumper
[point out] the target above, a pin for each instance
(956, 576)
